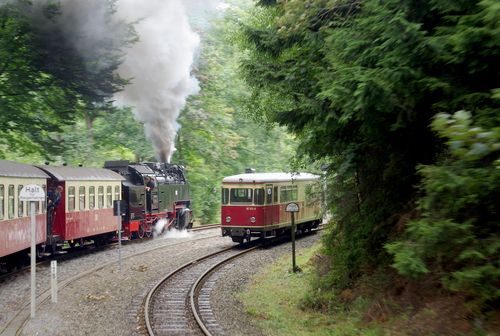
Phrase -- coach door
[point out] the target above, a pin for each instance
(269, 212)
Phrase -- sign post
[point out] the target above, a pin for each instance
(32, 193)
(293, 208)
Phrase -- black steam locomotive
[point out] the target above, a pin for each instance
(152, 191)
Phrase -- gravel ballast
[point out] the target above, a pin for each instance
(107, 301)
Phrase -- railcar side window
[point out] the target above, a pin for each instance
(241, 195)
(225, 196)
(20, 206)
(71, 199)
(288, 193)
(117, 192)
(11, 201)
(275, 200)
(258, 196)
(91, 198)
(109, 196)
(100, 197)
(81, 197)
(2, 197)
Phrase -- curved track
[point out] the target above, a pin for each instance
(174, 305)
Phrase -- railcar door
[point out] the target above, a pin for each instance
(269, 216)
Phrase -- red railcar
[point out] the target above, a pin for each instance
(85, 211)
(15, 232)
(253, 204)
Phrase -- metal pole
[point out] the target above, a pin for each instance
(119, 236)
(33, 259)
(294, 267)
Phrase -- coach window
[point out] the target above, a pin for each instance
(91, 198)
(44, 202)
(241, 196)
(258, 198)
(11, 201)
(225, 196)
(109, 196)
(100, 197)
(117, 192)
(81, 198)
(71, 199)
(2, 190)
(20, 206)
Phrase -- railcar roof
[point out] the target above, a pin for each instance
(15, 169)
(65, 173)
(269, 177)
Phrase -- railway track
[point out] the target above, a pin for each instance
(14, 325)
(179, 303)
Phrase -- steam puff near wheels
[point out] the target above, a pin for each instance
(159, 231)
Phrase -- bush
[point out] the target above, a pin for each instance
(457, 235)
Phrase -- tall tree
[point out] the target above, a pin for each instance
(359, 83)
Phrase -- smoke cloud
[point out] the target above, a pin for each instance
(159, 66)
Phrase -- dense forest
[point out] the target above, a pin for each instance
(400, 100)
(396, 101)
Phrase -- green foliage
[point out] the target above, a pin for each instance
(216, 139)
(358, 83)
(458, 234)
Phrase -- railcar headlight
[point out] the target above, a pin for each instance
(252, 219)
(228, 219)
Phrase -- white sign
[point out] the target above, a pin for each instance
(292, 207)
(32, 192)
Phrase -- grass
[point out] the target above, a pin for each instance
(274, 300)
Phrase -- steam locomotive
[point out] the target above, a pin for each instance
(84, 210)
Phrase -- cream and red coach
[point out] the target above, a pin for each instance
(85, 211)
(253, 204)
(15, 234)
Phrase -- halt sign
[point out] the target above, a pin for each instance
(292, 207)
(32, 192)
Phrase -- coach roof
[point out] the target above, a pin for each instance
(64, 173)
(269, 177)
(15, 169)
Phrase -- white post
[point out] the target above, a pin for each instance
(33, 259)
(53, 280)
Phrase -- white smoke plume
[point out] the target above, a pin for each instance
(159, 66)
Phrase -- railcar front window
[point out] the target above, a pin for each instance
(71, 199)
(2, 197)
(241, 196)
(225, 196)
(11, 201)
(258, 196)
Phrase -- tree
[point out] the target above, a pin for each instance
(359, 82)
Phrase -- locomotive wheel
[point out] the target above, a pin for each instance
(140, 233)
